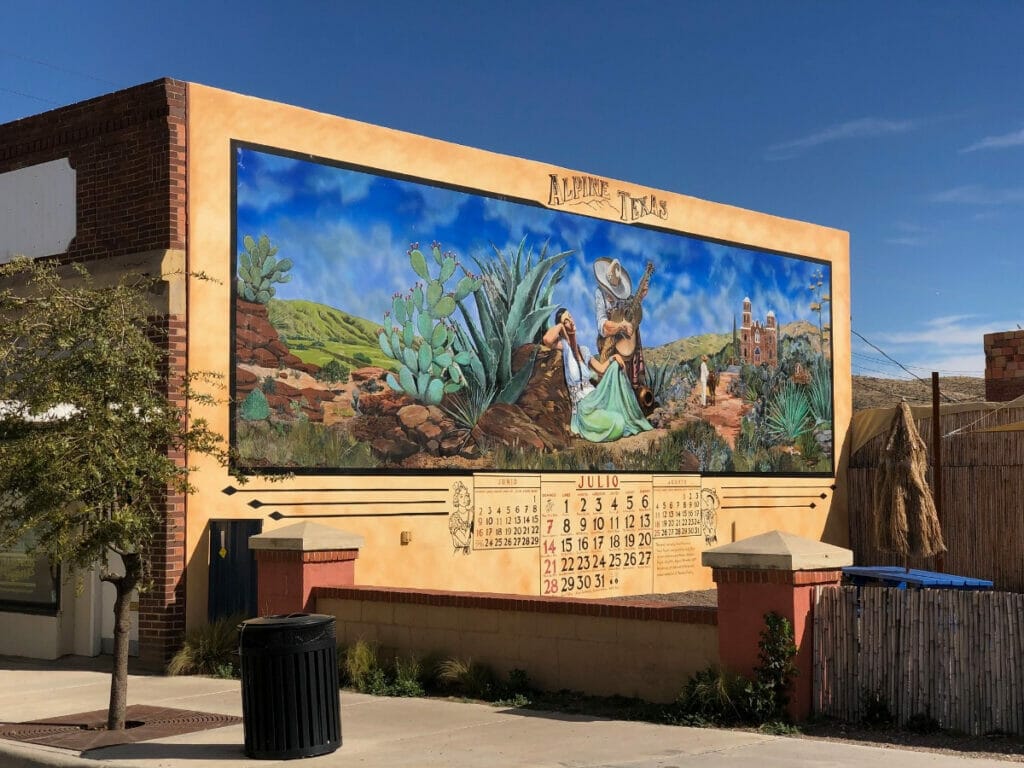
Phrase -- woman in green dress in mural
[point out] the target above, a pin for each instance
(600, 413)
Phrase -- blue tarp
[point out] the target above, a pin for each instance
(894, 576)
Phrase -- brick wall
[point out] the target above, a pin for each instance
(128, 152)
(1004, 366)
(602, 647)
(162, 606)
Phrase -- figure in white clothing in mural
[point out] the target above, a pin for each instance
(600, 413)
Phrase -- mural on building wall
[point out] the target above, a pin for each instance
(387, 323)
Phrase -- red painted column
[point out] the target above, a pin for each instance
(291, 561)
(745, 596)
(285, 579)
(773, 572)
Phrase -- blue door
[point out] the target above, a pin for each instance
(232, 568)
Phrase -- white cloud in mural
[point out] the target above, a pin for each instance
(348, 186)
(518, 219)
(441, 207)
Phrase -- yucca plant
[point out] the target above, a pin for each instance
(789, 415)
(820, 392)
(466, 677)
(211, 649)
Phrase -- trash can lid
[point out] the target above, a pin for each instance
(287, 620)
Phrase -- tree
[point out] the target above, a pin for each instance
(92, 430)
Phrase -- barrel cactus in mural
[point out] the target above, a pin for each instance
(419, 334)
(259, 269)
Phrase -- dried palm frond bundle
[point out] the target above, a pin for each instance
(905, 517)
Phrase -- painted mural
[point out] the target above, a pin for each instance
(384, 323)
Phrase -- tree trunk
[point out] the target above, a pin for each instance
(125, 587)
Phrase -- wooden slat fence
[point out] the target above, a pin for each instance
(982, 498)
(956, 656)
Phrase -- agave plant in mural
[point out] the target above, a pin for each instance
(512, 306)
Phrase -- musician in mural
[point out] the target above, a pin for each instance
(619, 313)
(603, 413)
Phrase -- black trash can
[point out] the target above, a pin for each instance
(291, 704)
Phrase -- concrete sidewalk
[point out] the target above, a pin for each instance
(388, 733)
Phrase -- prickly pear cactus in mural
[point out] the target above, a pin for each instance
(418, 333)
(258, 270)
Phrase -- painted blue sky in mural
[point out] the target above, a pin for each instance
(346, 232)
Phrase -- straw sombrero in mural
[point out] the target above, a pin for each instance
(613, 278)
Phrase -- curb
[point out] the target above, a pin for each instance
(18, 755)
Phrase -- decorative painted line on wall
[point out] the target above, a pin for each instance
(774, 496)
(275, 515)
(812, 505)
(809, 486)
(232, 490)
(256, 503)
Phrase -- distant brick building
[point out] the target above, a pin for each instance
(1004, 366)
(759, 342)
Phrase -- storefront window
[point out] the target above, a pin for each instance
(26, 581)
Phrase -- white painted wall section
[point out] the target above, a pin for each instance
(37, 210)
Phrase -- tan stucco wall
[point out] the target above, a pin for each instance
(216, 117)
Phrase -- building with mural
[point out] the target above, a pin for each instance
(484, 368)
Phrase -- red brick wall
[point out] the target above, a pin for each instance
(128, 152)
(162, 606)
(1004, 366)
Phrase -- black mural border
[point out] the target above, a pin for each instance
(235, 468)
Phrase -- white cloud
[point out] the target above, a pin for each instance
(1013, 139)
(861, 128)
(953, 345)
(977, 194)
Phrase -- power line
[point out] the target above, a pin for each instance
(55, 67)
(887, 356)
(29, 96)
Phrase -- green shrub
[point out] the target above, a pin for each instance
(716, 697)
(255, 407)
(361, 667)
(713, 697)
(211, 649)
(468, 678)
(874, 709)
(333, 370)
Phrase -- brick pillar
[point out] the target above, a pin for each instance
(1004, 366)
(772, 572)
(291, 561)
(162, 606)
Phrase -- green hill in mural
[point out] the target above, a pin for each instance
(317, 333)
(712, 343)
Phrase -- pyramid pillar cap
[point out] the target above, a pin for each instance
(778, 551)
(306, 537)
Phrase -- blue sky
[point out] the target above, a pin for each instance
(902, 123)
(348, 233)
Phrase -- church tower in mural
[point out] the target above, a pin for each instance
(759, 342)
